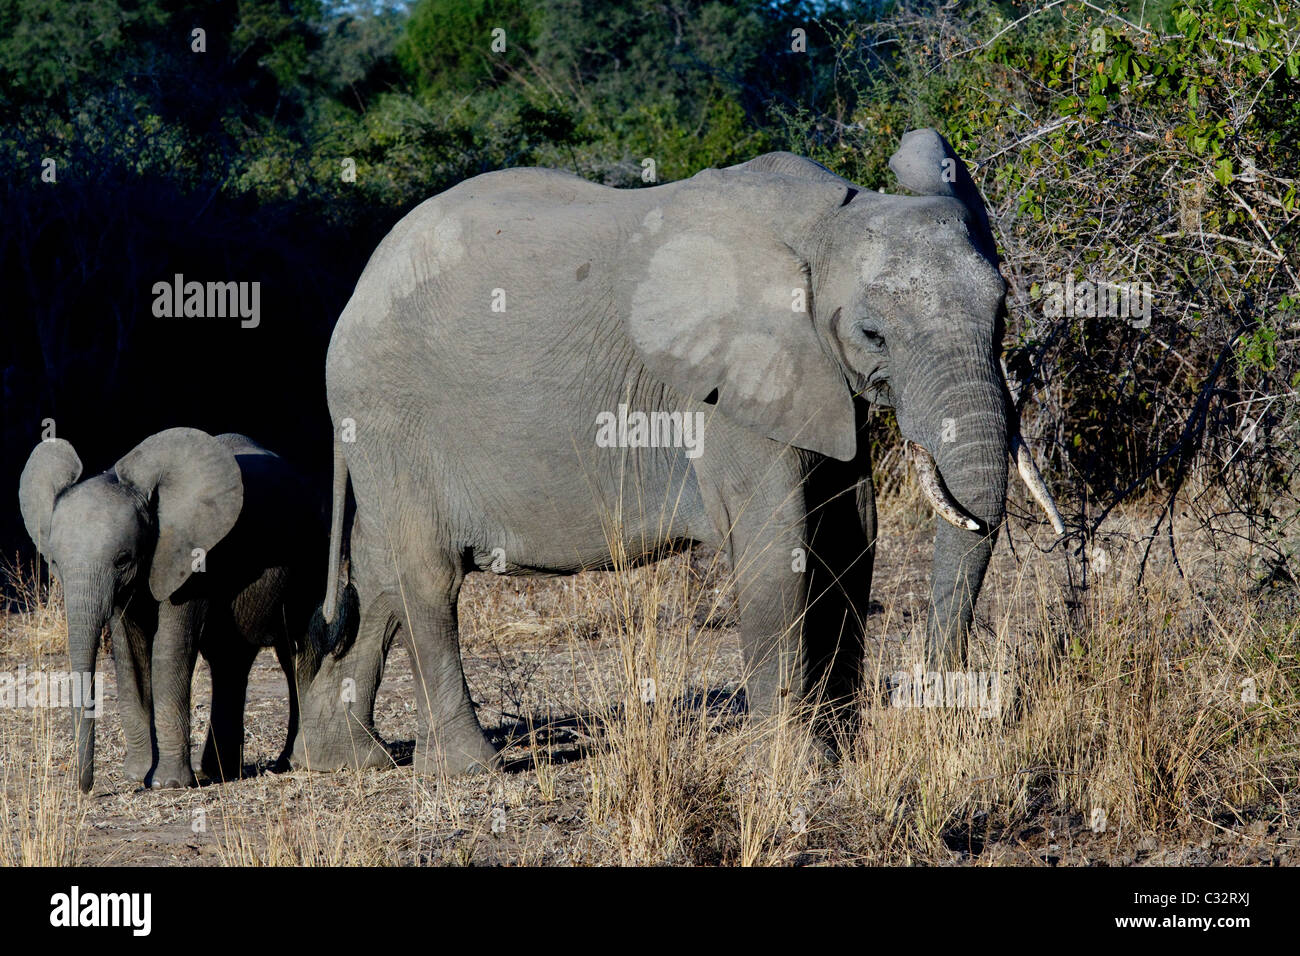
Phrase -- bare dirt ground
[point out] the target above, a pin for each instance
(1079, 775)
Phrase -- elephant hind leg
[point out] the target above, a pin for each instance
(336, 725)
(451, 740)
(229, 658)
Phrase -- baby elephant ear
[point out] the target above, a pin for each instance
(927, 165)
(195, 484)
(52, 467)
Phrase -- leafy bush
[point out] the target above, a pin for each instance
(1111, 152)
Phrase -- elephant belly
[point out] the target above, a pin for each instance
(257, 609)
(565, 537)
(548, 508)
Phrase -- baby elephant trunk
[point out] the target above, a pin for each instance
(87, 615)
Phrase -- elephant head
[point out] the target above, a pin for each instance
(784, 292)
(174, 492)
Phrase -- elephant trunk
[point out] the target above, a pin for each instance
(89, 602)
(959, 421)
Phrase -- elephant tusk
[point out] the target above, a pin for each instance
(935, 493)
(1034, 482)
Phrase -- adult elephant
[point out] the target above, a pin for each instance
(190, 543)
(502, 326)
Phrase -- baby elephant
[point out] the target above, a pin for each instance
(188, 544)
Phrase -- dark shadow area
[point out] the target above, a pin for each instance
(84, 356)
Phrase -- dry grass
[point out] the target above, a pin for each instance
(1151, 724)
(42, 814)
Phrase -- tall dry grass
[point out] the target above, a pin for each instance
(1160, 708)
(42, 814)
(1156, 712)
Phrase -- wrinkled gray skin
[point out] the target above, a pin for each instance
(475, 429)
(122, 544)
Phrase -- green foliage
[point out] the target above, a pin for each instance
(47, 50)
(447, 44)
(279, 35)
(1162, 152)
(1109, 151)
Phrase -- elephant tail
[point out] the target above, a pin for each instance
(330, 608)
(333, 626)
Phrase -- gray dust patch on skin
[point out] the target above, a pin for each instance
(430, 244)
(676, 311)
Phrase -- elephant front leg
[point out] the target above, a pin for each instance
(759, 517)
(770, 633)
(175, 651)
(769, 561)
(134, 697)
(229, 658)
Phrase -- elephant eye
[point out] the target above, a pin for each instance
(122, 560)
(873, 340)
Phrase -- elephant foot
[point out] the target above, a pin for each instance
(825, 752)
(284, 762)
(473, 754)
(318, 749)
(837, 728)
(136, 767)
(790, 740)
(172, 775)
(220, 769)
(281, 764)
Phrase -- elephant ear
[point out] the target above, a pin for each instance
(52, 467)
(723, 311)
(195, 484)
(927, 165)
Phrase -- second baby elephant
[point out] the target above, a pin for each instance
(538, 373)
(189, 544)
